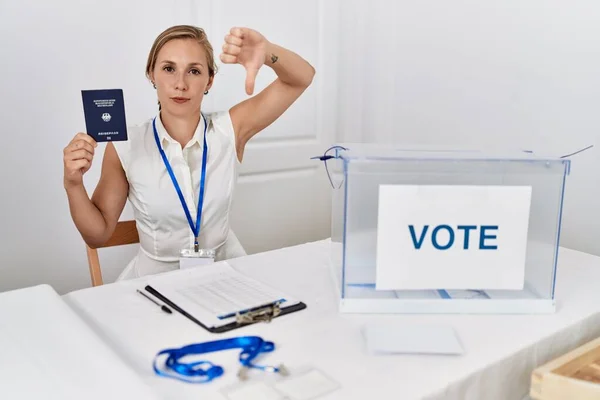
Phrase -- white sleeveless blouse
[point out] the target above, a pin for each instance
(161, 222)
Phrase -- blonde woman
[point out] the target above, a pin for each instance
(179, 168)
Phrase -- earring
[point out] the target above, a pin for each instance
(154, 84)
(206, 92)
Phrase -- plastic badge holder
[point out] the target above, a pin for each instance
(189, 258)
(303, 383)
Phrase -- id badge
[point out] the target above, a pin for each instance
(189, 258)
(302, 383)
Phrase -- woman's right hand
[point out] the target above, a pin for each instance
(77, 159)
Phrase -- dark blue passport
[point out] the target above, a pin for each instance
(104, 112)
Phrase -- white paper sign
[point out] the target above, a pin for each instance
(452, 237)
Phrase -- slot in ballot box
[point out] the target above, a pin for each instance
(425, 231)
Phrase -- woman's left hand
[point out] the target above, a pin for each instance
(246, 47)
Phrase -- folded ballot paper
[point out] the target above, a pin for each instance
(48, 352)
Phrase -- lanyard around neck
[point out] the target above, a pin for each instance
(195, 228)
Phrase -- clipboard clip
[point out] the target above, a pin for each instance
(263, 314)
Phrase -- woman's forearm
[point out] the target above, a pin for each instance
(289, 66)
(87, 217)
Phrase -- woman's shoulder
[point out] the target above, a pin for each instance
(141, 128)
(220, 122)
(135, 134)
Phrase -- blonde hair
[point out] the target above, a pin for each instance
(182, 32)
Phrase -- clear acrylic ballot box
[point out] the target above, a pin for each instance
(424, 231)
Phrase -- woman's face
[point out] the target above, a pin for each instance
(181, 76)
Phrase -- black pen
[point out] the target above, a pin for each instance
(162, 306)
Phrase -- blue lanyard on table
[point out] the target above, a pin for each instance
(205, 371)
(195, 228)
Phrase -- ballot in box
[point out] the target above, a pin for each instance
(445, 231)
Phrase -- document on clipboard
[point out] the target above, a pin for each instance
(219, 298)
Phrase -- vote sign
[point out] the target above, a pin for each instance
(452, 237)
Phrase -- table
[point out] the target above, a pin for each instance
(500, 350)
(48, 352)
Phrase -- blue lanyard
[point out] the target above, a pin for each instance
(196, 228)
(205, 371)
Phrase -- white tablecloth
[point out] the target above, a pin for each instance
(500, 350)
(47, 352)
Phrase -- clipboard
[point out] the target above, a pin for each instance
(264, 313)
(210, 295)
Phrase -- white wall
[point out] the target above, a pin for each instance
(511, 73)
(51, 50)
(428, 72)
